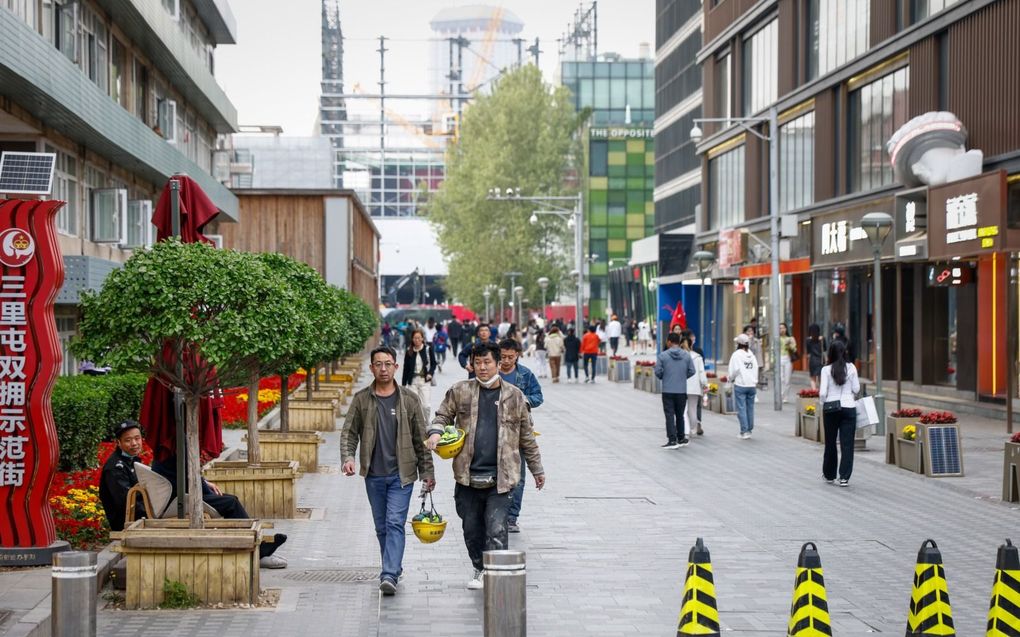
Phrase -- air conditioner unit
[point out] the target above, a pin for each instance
(108, 215)
(217, 240)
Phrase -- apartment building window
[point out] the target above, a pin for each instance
(726, 189)
(65, 188)
(95, 51)
(24, 9)
(796, 163)
(173, 7)
(921, 9)
(723, 77)
(66, 331)
(60, 26)
(877, 109)
(141, 83)
(119, 73)
(837, 33)
(140, 231)
(761, 68)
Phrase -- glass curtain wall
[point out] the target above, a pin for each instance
(761, 68)
(726, 189)
(837, 33)
(609, 87)
(797, 163)
(876, 111)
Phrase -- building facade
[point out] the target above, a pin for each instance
(848, 75)
(124, 93)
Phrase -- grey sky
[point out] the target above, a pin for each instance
(272, 74)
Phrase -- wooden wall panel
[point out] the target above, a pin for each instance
(722, 15)
(755, 166)
(790, 49)
(293, 225)
(984, 85)
(924, 77)
(825, 145)
(883, 21)
(365, 257)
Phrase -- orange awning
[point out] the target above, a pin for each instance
(760, 270)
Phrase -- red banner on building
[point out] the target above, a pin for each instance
(31, 273)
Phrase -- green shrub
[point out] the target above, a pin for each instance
(177, 595)
(80, 409)
(85, 409)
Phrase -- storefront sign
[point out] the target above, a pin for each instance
(949, 274)
(838, 238)
(731, 247)
(622, 133)
(968, 217)
(31, 272)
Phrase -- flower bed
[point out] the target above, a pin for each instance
(235, 400)
(808, 393)
(77, 511)
(938, 418)
(906, 413)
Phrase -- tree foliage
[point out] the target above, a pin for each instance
(520, 136)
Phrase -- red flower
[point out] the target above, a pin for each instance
(906, 413)
(938, 418)
(808, 393)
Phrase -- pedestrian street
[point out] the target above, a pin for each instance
(607, 540)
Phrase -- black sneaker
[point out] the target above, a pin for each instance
(829, 480)
(512, 527)
(671, 445)
(388, 587)
(684, 442)
(843, 482)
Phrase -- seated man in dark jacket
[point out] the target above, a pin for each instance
(118, 477)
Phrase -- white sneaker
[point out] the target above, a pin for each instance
(476, 583)
(272, 561)
(744, 435)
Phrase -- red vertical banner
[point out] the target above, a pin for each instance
(31, 273)
(991, 333)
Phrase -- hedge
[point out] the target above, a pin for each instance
(85, 409)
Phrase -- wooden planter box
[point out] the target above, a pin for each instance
(218, 564)
(315, 415)
(302, 446)
(619, 371)
(266, 490)
(1011, 473)
(910, 454)
(811, 427)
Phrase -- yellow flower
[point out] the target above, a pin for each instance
(810, 410)
(909, 432)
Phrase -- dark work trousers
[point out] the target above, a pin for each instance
(614, 342)
(483, 513)
(843, 423)
(673, 405)
(572, 369)
(454, 344)
(589, 358)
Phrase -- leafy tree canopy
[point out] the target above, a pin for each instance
(520, 136)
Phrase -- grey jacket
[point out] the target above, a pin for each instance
(413, 459)
(674, 367)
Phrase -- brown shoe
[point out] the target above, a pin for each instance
(701, 431)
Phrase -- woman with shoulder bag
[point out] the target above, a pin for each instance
(839, 384)
(419, 367)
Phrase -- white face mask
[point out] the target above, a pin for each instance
(488, 383)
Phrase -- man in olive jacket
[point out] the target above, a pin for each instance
(494, 416)
(389, 423)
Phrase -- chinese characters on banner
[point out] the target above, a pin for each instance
(31, 273)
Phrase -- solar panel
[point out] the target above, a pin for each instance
(26, 173)
(943, 450)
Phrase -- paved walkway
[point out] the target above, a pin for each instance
(607, 540)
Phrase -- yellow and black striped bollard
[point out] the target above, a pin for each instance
(699, 614)
(930, 612)
(809, 611)
(1004, 611)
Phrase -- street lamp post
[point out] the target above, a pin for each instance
(516, 301)
(878, 225)
(653, 287)
(704, 259)
(501, 293)
(775, 279)
(486, 293)
(543, 282)
(575, 221)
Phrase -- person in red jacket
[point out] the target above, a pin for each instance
(590, 350)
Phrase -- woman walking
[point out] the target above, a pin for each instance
(419, 366)
(554, 347)
(787, 352)
(644, 337)
(743, 372)
(695, 386)
(541, 366)
(572, 353)
(815, 348)
(839, 383)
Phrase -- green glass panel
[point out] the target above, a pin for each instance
(635, 219)
(635, 232)
(617, 232)
(618, 171)
(636, 183)
(617, 183)
(617, 198)
(617, 158)
(597, 197)
(636, 159)
(617, 247)
(598, 232)
(635, 201)
(617, 216)
(617, 146)
(599, 218)
(598, 183)
(600, 268)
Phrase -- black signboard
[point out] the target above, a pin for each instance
(675, 253)
(942, 275)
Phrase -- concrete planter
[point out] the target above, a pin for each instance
(315, 415)
(218, 564)
(811, 427)
(265, 490)
(893, 427)
(302, 446)
(619, 371)
(910, 454)
(727, 402)
(601, 365)
(714, 403)
(1011, 472)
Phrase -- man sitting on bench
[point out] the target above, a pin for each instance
(119, 476)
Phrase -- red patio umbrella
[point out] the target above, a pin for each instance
(157, 413)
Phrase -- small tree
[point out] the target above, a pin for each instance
(219, 313)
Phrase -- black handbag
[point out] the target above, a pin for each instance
(831, 406)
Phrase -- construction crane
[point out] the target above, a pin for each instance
(487, 43)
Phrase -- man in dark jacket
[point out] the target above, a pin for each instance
(118, 475)
(455, 330)
(674, 367)
(572, 353)
(511, 371)
(482, 335)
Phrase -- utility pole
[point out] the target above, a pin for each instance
(382, 105)
(462, 43)
(534, 51)
(520, 50)
(513, 285)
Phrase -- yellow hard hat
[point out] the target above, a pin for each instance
(451, 449)
(428, 532)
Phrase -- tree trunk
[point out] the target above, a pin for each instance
(317, 378)
(194, 467)
(310, 381)
(284, 401)
(254, 458)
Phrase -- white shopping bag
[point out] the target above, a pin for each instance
(867, 413)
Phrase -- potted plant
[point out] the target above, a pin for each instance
(909, 450)
(1011, 470)
(895, 422)
(805, 398)
(810, 424)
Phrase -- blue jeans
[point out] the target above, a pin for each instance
(390, 502)
(517, 493)
(744, 398)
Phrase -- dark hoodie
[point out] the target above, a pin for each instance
(674, 367)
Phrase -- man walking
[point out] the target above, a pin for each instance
(388, 422)
(494, 415)
(571, 353)
(482, 335)
(613, 331)
(674, 367)
(511, 371)
(590, 350)
(455, 330)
